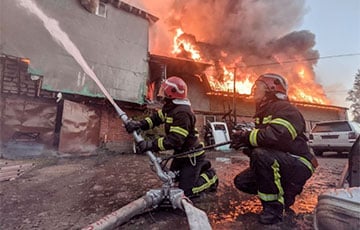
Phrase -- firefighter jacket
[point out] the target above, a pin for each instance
(279, 125)
(179, 123)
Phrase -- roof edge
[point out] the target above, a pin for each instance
(134, 10)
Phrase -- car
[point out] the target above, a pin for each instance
(335, 136)
(217, 133)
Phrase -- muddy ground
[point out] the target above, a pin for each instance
(70, 193)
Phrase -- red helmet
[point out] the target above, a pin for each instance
(174, 88)
(274, 82)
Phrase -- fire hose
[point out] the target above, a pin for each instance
(195, 150)
(163, 161)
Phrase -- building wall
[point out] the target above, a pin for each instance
(23, 117)
(80, 123)
(313, 114)
(24, 108)
(115, 47)
(27, 114)
(197, 94)
(113, 135)
(31, 117)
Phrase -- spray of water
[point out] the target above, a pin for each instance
(63, 39)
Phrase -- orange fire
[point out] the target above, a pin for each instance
(306, 89)
(302, 85)
(182, 46)
(242, 86)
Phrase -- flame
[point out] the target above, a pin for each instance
(242, 86)
(182, 45)
(25, 60)
(302, 85)
(306, 89)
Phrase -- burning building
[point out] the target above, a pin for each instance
(234, 42)
(218, 48)
(240, 44)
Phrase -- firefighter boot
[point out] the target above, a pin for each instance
(211, 176)
(272, 212)
(214, 180)
(289, 201)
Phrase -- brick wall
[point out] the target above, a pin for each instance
(112, 131)
(16, 79)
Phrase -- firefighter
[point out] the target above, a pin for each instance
(280, 159)
(194, 172)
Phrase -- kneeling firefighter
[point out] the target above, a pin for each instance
(280, 159)
(194, 172)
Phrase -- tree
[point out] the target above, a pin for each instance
(354, 97)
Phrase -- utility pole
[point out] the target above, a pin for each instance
(234, 97)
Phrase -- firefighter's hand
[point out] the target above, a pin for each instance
(239, 139)
(131, 126)
(143, 146)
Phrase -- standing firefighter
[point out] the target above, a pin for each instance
(195, 174)
(280, 159)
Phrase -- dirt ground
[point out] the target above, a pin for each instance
(71, 193)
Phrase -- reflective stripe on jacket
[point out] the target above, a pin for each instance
(280, 125)
(179, 123)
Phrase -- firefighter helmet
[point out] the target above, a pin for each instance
(174, 88)
(274, 83)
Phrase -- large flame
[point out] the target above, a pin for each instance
(223, 77)
(306, 89)
(184, 47)
(242, 85)
(260, 32)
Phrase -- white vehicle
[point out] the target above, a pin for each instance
(335, 136)
(220, 134)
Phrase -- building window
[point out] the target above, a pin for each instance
(101, 10)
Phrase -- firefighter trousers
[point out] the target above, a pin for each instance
(274, 176)
(195, 174)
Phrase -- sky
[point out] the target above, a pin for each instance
(336, 25)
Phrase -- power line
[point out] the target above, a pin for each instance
(338, 91)
(339, 55)
(301, 60)
(335, 92)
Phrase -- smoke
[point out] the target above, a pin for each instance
(229, 24)
(259, 35)
(234, 23)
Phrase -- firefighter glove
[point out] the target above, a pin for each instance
(143, 146)
(131, 126)
(240, 139)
